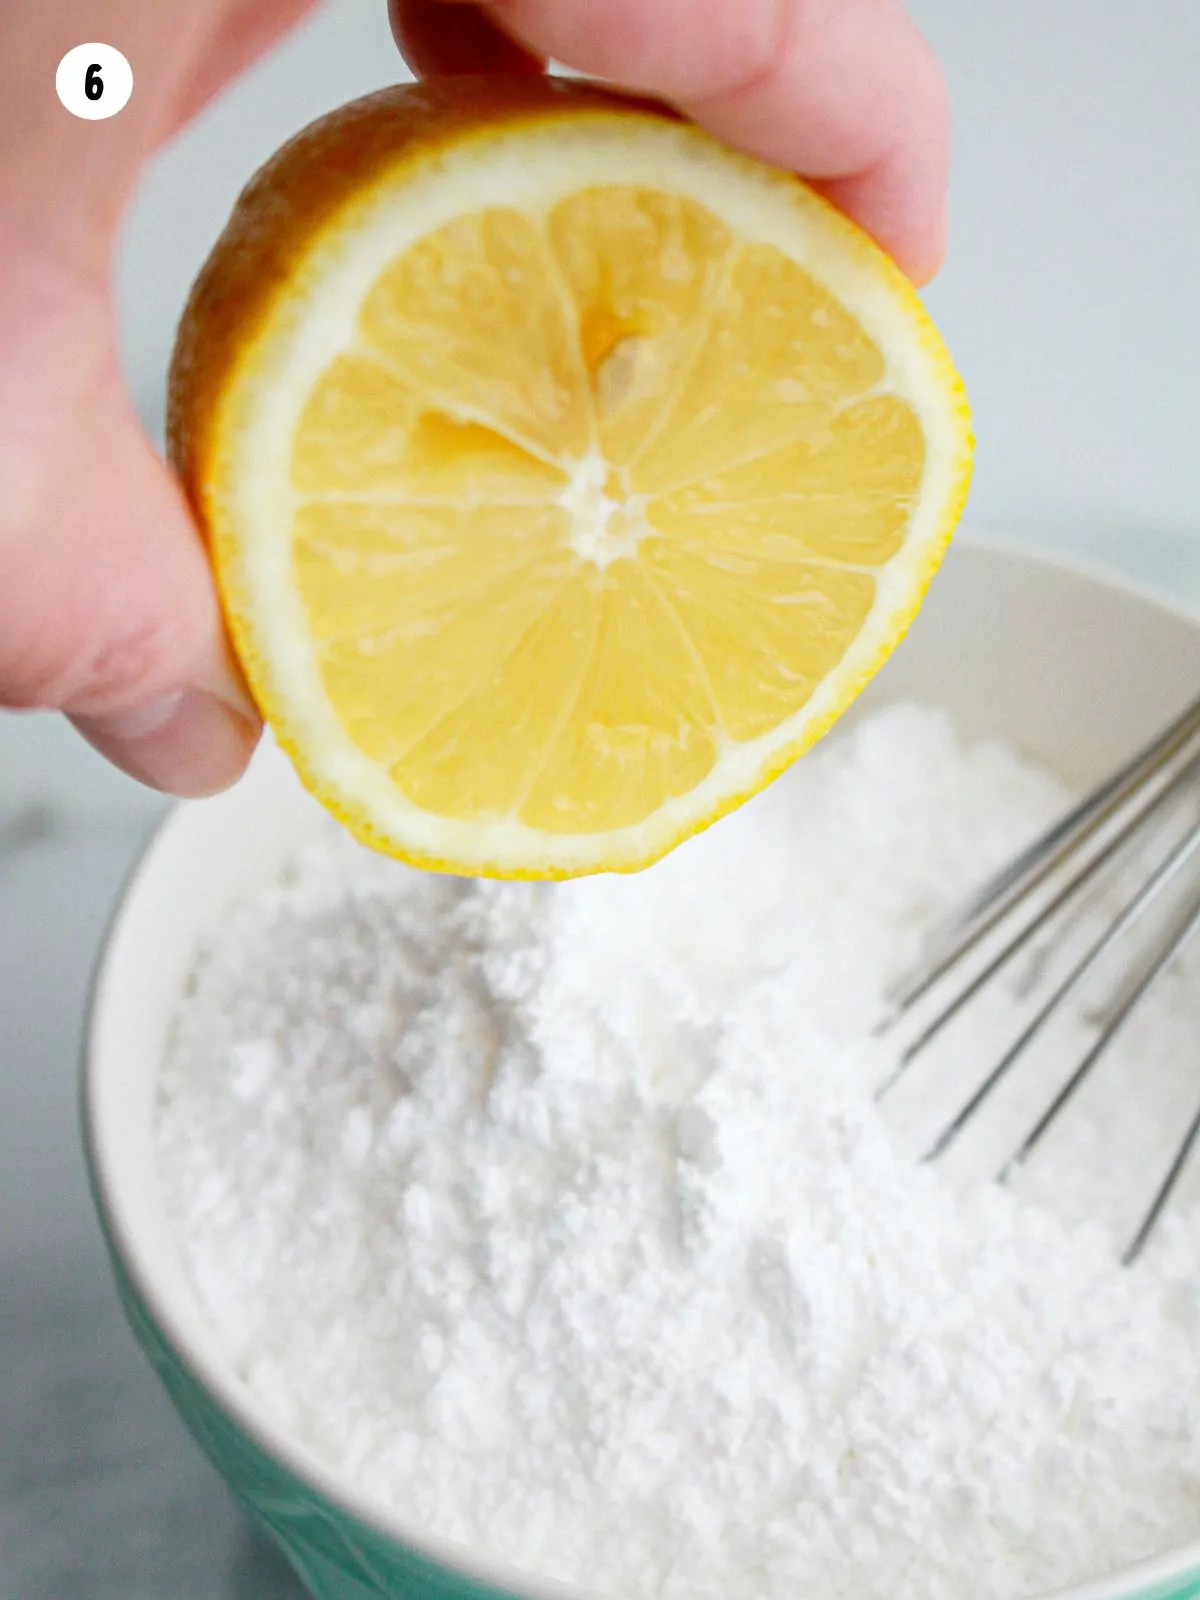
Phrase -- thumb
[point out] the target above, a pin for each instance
(107, 605)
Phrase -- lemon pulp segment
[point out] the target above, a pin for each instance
(592, 495)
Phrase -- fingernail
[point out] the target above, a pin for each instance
(930, 264)
(224, 679)
(188, 743)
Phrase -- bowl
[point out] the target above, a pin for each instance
(1075, 669)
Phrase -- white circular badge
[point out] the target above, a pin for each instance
(94, 81)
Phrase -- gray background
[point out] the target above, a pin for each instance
(1070, 301)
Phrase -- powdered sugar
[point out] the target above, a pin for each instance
(561, 1218)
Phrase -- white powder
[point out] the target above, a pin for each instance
(561, 1218)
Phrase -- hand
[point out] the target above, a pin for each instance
(845, 92)
(107, 609)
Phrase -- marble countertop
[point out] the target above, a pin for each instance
(1065, 302)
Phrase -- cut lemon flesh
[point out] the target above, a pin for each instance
(566, 474)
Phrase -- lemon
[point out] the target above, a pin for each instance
(566, 474)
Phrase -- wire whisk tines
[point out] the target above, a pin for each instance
(1135, 839)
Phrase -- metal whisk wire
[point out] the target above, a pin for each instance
(1128, 801)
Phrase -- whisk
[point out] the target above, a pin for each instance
(1140, 809)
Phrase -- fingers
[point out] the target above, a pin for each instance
(244, 30)
(844, 92)
(107, 607)
(188, 744)
(437, 39)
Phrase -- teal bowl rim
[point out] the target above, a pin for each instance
(1172, 1575)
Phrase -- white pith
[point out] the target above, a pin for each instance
(604, 527)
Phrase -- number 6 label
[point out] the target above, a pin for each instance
(94, 81)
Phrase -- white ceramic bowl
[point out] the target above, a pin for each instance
(1074, 669)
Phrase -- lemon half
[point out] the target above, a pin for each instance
(566, 474)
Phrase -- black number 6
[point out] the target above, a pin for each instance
(93, 83)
